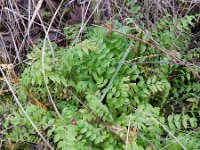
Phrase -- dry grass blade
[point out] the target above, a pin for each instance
(163, 126)
(116, 71)
(85, 23)
(37, 8)
(170, 133)
(180, 138)
(127, 135)
(43, 63)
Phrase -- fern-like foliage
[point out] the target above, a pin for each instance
(140, 108)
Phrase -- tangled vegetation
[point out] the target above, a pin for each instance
(109, 90)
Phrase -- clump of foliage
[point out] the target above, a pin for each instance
(152, 103)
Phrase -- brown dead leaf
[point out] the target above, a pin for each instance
(150, 147)
(35, 101)
(10, 144)
(133, 134)
(13, 77)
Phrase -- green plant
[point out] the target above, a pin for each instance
(137, 102)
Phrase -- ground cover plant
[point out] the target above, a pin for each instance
(122, 84)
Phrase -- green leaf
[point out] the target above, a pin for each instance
(193, 122)
(102, 56)
(159, 87)
(61, 144)
(110, 71)
(177, 121)
(136, 98)
(153, 88)
(142, 48)
(88, 134)
(149, 81)
(153, 79)
(57, 137)
(147, 92)
(193, 100)
(93, 137)
(15, 121)
(83, 130)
